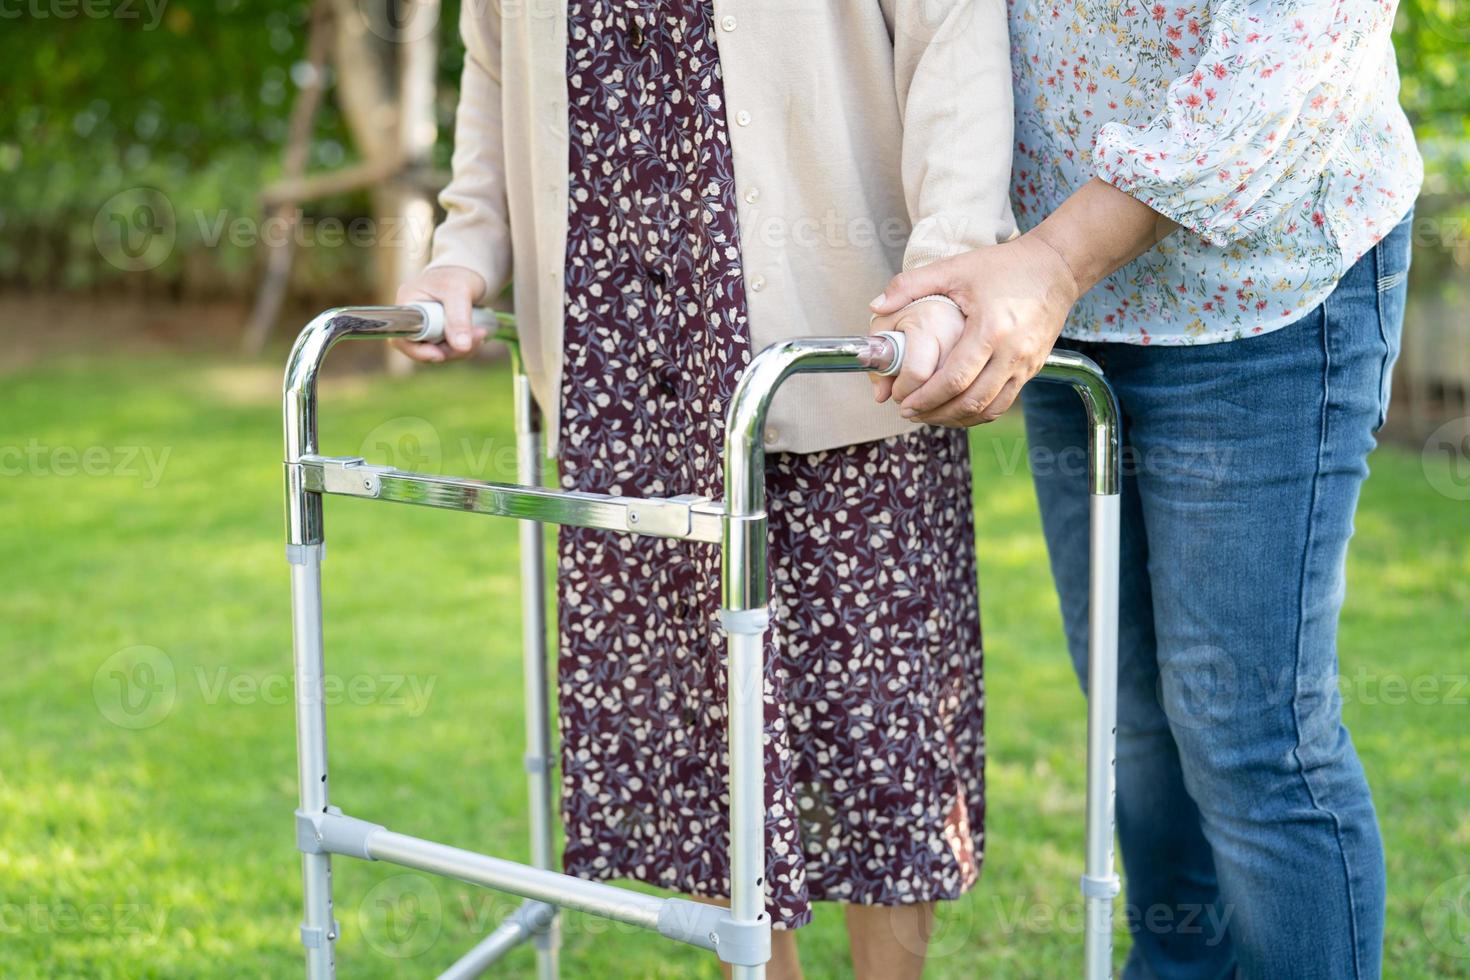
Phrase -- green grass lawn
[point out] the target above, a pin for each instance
(153, 836)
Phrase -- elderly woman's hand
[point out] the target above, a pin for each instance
(457, 290)
(1014, 298)
(931, 328)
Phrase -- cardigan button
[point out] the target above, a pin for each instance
(757, 283)
(742, 118)
(772, 435)
(727, 22)
(752, 195)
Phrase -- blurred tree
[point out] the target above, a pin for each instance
(1433, 374)
(385, 57)
(193, 98)
(1433, 39)
(188, 99)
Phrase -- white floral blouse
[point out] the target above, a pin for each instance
(1270, 130)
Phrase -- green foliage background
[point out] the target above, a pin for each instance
(192, 96)
(188, 96)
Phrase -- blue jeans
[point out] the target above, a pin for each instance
(1249, 839)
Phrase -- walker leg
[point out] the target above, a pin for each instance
(745, 616)
(318, 927)
(746, 643)
(1099, 883)
(539, 760)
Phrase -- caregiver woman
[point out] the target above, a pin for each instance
(677, 185)
(1218, 197)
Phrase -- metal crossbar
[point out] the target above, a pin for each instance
(741, 934)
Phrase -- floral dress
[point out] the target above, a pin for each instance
(1269, 129)
(874, 700)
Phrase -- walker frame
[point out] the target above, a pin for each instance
(741, 934)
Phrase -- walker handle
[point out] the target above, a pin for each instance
(434, 321)
(885, 353)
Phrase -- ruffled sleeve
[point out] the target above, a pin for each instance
(1246, 134)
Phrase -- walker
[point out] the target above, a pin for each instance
(741, 934)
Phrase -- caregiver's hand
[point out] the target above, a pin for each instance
(458, 290)
(1014, 297)
(931, 328)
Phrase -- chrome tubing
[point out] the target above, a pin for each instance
(1104, 434)
(540, 760)
(299, 397)
(744, 928)
(305, 550)
(745, 594)
(1099, 882)
(527, 922)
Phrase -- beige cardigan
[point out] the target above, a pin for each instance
(866, 135)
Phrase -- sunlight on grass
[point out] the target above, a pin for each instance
(156, 839)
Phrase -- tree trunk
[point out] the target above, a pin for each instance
(417, 133)
(286, 215)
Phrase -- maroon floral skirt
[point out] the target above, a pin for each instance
(874, 692)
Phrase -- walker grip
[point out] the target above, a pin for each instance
(885, 353)
(433, 314)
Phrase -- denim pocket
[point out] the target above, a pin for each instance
(1391, 257)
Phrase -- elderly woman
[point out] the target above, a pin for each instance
(1217, 198)
(675, 186)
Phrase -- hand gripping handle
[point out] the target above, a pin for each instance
(435, 321)
(885, 352)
